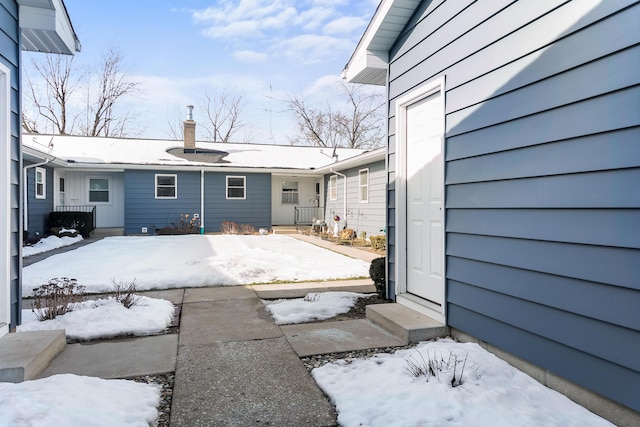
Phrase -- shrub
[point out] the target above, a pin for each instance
(377, 272)
(187, 225)
(348, 234)
(124, 293)
(230, 227)
(56, 298)
(435, 365)
(378, 242)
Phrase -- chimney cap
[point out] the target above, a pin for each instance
(189, 112)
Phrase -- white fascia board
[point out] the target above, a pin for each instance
(46, 27)
(362, 159)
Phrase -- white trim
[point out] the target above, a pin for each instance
(430, 88)
(175, 185)
(43, 174)
(244, 187)
(5, 199)
(109, 192)
(360, 186)
(333, 184)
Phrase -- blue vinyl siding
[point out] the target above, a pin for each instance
(362, 217)
(255, 210)
(39, 208)
(10, 57)
(541, 177)
(142, 209)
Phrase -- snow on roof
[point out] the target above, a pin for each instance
(91, 151)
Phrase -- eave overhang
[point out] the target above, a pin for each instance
(368, 63)
(46, 27)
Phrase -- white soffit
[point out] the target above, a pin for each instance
(368, 63)
(46, 27)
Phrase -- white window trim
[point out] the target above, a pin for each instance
(333, 184)
(5, 199)
(43, 173)
(89, 190)
(360, 186)
(296, 192)
(175, 183)
(244, 187)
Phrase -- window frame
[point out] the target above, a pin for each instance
(43, 173)
(244, 187)
(333, 187)
(289, 193)
(362, 186)
(174, 186)
(108, 191)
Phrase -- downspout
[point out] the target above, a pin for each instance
(25, 211)
(345, 194)
(201, 201)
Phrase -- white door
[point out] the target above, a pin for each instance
(425, 210)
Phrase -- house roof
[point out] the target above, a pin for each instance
(368, 63)
(123, 153)
(46, 27)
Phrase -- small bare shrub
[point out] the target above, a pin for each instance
(378, 242)
(229, 227)
(59, 296)
(433, 366)
(124, 293)
(247, 229)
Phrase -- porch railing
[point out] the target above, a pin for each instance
(79, 208)
(307, 215)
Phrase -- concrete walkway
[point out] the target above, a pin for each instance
(233, 365)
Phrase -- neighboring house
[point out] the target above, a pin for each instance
(356, 192)
(142, 186)
(514, 180)
(41, 26)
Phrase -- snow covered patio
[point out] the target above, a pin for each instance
(235, 366)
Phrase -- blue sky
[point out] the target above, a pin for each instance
(264, 48)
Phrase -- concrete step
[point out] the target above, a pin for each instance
(406, 324)
(24, 355)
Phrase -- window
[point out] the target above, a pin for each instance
(98, 190)
(290, 192)
(363, 184)
(41, 183)
(333, 187)
(166, 186)
(236, 187)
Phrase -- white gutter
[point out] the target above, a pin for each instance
(201, 201)
(25, 211)
(345, 193)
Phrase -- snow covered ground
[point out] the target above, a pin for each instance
(378, 391)
(50, 243)
(367, 392)
(314, 306)
(77, 401)
(162, 262)
(106, 318)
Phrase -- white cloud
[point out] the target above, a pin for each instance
(250, 56)
(345, 25)
(309, 49)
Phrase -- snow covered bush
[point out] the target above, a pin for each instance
(124, 293)
(59, 296)
(436, 366)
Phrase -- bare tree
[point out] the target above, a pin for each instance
(357, 124)
(51, 102)
(56, 106)
(224, 111)
(103, 116)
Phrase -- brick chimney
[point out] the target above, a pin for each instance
(189, 132)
